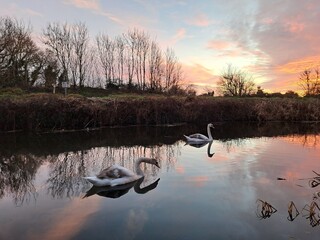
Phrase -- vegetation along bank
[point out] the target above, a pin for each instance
(48, 112)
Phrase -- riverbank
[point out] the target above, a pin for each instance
(48, 112)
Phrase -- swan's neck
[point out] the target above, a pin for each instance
(137, 166)
(209, 132)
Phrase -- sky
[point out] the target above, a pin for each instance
(272, 40)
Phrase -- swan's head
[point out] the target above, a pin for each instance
(151, 161)
(154, 162)
(210, 125)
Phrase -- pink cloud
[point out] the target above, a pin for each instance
(294, 27)
(13, 8)
(218, 44)
(200, 20)
(198, 74)
(94, 6)
(179, 35)
(86, 4)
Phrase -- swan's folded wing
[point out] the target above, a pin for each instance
(198, 136)
(115, 171)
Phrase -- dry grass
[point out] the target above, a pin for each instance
(53, 112)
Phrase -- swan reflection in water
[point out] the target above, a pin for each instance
(120, 190)
(200, 145)
(115, 181)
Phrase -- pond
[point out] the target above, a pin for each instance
(252, 182)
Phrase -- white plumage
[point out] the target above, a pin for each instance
(118, 175)
(200, 138)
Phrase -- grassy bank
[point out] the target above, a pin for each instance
(38, 112)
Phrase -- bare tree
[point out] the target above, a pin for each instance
(106, 51)
(131, 49)
(51, 70)
(142, 48)
(20, 59)
(155, 63)
(234, 82)
(80, 43)
(173, 70)
(119, 58)
(309, 80)
(58, 39)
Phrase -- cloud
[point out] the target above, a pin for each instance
(289, 33)
(218, 44)
(85, 4)
(299, 65)
(179, 35)
(14, 9)
(95, 7)
(199, 20)
(199, 76)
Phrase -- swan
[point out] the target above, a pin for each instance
(200, 138)
(118, 175)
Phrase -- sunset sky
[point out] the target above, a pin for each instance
(274, 40)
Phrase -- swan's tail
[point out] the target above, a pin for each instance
(98, 182)
(92, 180)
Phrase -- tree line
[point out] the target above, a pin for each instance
(132, 60)
(237, 82)
(66, 53)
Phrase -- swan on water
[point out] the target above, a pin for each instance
(118, 175)
(200, 138)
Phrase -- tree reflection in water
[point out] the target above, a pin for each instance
(65, 175)
(70, 156)
(67, 171)
(17, 174)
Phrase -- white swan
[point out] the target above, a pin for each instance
(117, 175)
(200, 138)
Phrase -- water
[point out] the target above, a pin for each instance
(209, 192)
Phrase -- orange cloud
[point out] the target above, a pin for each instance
(198, 75)
(297, 66)
(218, 44)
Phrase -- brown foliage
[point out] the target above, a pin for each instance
(55, 112)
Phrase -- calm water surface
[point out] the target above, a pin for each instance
(231, 189)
